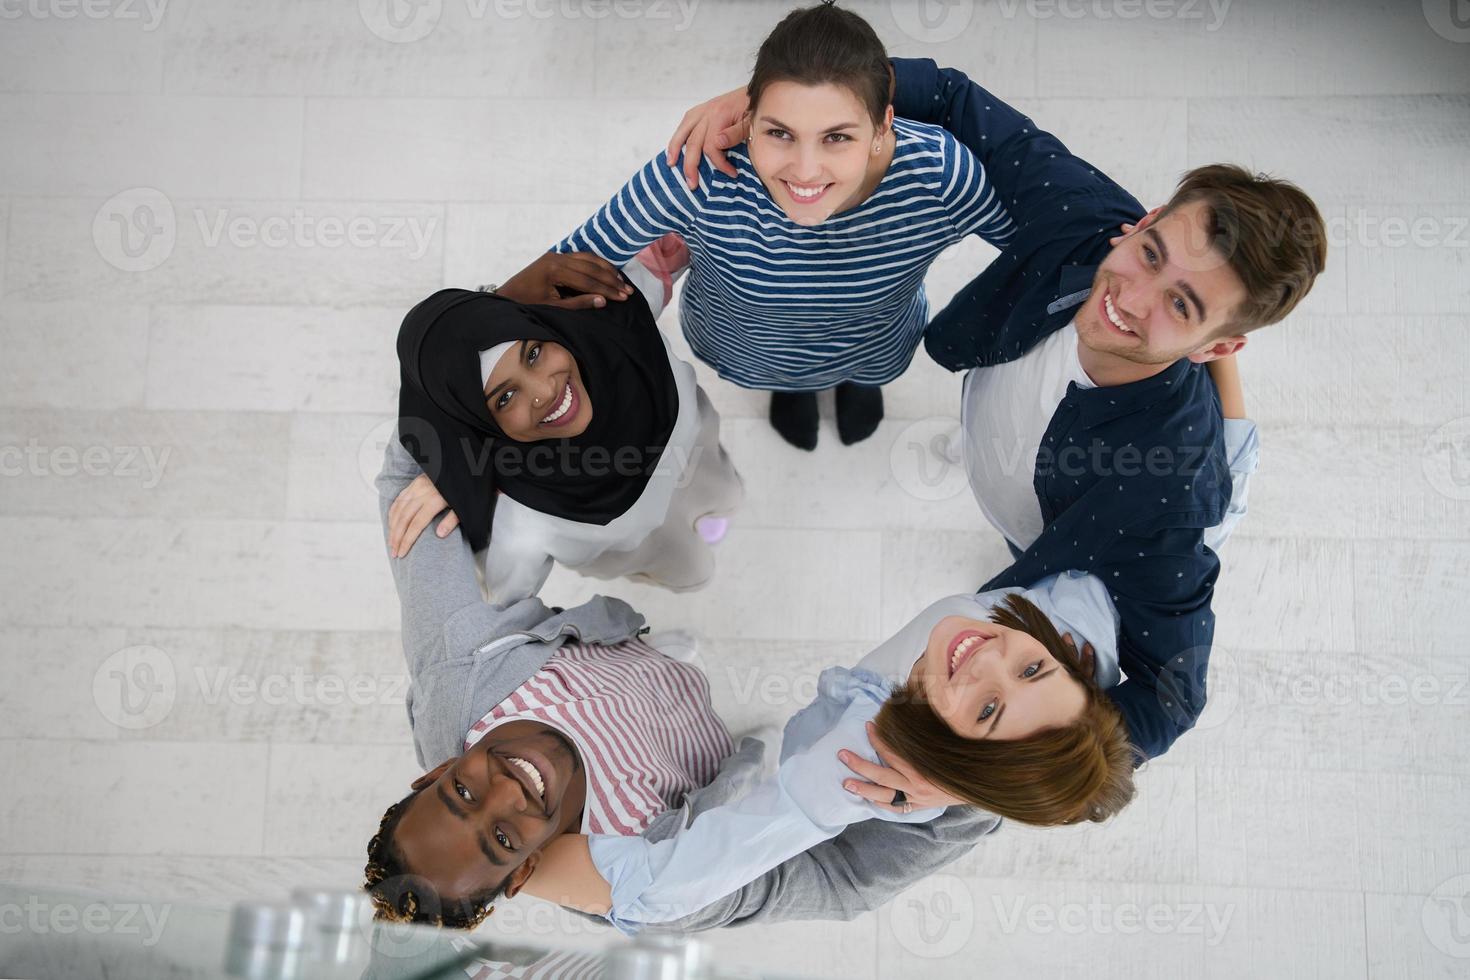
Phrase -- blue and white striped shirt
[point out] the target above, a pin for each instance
(779, 306)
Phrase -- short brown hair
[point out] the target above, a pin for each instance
(825, 45)
(1268, 230)
(1059, 776)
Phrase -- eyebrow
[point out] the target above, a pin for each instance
(480, 838)
(496, 390)
(831, 129)
(1184, 287)
(1030, 680)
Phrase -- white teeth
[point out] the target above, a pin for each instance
(1113, 315)
(962, 649)
(531, 771)
(566, 403)
(804, 194)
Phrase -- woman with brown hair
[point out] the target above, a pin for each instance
(983, 696)
(807, 264)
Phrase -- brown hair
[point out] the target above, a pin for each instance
(825, 45)
(1059, 776)
(398, 895)
(1268, 230)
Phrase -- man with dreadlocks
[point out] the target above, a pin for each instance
(536, 722)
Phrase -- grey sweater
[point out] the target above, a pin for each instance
(465, 656)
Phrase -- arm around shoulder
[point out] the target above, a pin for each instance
(443, 612)
(859, 870)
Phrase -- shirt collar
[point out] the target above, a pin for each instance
(1100, 405)
(1074, 285)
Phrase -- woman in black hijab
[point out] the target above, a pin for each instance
(550, 433)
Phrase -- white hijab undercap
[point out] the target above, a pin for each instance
(490, 358)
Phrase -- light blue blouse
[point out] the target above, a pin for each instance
(804, 802)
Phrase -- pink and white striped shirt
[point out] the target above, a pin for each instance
(642, 722)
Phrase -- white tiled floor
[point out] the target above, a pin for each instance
(1303, 830)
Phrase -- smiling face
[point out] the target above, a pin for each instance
(481, 818)
(987, 681)
(1162, 293)
(536, 392)
(812, 146)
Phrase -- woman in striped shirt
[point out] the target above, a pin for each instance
(807, 267)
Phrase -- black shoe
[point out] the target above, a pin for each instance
(859, 410)
(794, 415)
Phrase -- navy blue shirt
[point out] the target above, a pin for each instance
(1128, 476)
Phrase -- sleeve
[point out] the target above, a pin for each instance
(655, 202)
(728, 847)
(513, 572)
(655, 270)
(443, 613)
(970, 200)
(1243, 450)
(859, 870)
(1162, 585)
(1029, 168)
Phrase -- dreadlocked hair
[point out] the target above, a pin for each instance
(398, 895)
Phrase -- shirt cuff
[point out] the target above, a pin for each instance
(1242, 445)
(623, 864)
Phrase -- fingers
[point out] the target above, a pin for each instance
(722, 141)
(880, 796)
(398, 529)
(584, 275)
(681, 136)
(730, 135)
(598, 269)
(397, 519)
(586, 301)
(880, 775)
(693, 148)
(446, 526)
(414, 500)
(720, 162)
(421, 519)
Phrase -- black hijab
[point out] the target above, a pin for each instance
(444, 422)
